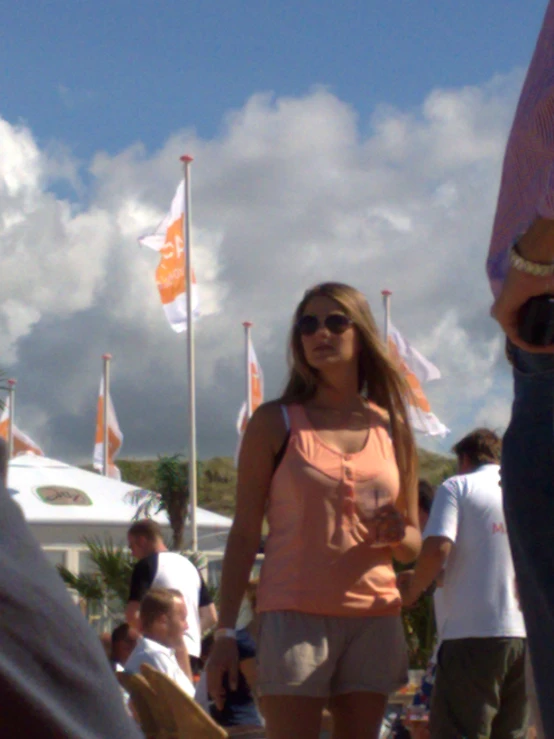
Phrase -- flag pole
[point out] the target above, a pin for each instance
(386, 304)
(11, 400)
(105, 446)
(247, 328)
(193, 483)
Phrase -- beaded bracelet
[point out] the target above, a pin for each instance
(536, 269)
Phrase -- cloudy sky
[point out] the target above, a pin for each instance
(363, 145)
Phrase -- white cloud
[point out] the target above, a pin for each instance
(288, 194)
(495, 414)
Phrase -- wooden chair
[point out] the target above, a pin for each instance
(154, 722)
(189, 719)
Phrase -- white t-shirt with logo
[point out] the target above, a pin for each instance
(479, 595)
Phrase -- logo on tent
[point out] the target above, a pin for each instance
(60, 495)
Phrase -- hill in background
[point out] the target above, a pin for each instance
(217, 477)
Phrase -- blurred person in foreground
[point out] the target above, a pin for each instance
(333, 464)
(54, 677)
(163, 621)
(479, 688)
(521, 266)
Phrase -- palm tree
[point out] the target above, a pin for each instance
(171, 496)
(105, 590)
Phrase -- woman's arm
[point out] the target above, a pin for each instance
(263, 437)
(262, 440)
(407, 551)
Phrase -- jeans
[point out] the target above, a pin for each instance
(528, 484)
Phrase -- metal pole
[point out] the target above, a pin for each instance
(11, 401)
(386, 302)
(247, 326)
(193, 483)
(105, 429)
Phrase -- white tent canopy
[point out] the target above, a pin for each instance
(63, 504)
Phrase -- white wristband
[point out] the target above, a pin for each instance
(225, 634)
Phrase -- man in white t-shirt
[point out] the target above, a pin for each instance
(480, 681)
(163, 618)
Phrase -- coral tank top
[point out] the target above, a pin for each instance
(317, 559)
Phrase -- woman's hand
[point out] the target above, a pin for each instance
(224, 660)
(387, 526)
(537, 245)
(517, 289)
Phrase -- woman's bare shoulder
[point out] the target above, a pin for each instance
(269, 412)
(269, 421)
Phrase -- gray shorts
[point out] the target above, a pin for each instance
(322, 656)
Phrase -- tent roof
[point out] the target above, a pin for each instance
(49, 491)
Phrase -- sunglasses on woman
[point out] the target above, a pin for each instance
(336, 323)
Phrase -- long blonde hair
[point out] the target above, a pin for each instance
(380, 380)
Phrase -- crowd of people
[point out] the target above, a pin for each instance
(332, 465)
(477, 684)
(170, 617)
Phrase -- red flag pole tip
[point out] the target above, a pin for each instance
(247, 324)
(11, 383)
(187, 158)
(384, 293)
(106, 356)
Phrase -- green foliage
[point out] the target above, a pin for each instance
(87, 585)
(217, 480)
(435, 467)
(107, 586)
(420, 630)
(170, 494)
(114, 566)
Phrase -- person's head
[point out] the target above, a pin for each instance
(426, 493)
(145, 537)
(163, 616)
(333, 333)
(481, 446)
(124, 640)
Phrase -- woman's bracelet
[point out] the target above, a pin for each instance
(536, 269)
(225, 634)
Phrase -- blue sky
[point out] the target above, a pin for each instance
(374, 160)
(101, 75)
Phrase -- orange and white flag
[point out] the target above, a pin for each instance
(168, 240)
(21, 442)
(256, 389)
(416, 369)
(115, 437)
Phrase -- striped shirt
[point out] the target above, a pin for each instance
(527, 184)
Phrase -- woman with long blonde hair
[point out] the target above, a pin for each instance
(333, 466)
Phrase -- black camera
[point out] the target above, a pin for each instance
(536, 321)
